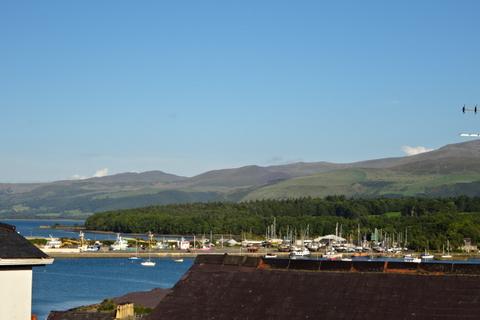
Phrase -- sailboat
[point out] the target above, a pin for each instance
(149, 262)
(448, 255)
(427, 255)
(135, 257)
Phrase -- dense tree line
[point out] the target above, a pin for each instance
(428, 220)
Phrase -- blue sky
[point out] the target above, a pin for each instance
(189, 86)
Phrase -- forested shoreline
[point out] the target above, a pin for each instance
(430, 221)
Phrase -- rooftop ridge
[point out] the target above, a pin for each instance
(7, 226)
(441, 268)
(16, 250)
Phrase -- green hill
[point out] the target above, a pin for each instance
(359, 182)
(448, 171)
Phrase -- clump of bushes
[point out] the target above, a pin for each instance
(107, 305)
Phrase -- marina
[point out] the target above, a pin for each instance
(84, 244)
(123, 264)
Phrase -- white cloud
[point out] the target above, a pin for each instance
(77, 177)
(98, 174)
(411, 151)
(101, 173)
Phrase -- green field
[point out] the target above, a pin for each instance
(363, 182)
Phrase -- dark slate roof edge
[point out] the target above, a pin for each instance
(14, 246)
(444, 268)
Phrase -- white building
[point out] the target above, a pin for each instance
(17, 257)
(183, 244)
(331, 238)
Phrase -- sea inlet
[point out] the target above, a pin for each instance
(69, 283)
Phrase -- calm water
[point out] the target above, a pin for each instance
(31, 228)
(68, 283)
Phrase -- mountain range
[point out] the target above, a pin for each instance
(451, 170)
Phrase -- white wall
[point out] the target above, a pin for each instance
(15, 294)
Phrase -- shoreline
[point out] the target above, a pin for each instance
(174, 254)
(193, 254)
(41, 219)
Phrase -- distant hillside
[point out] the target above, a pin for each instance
(143, 177)
(358, 182)
(450, 170)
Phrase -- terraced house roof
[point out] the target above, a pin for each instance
(231, 287)
(16, 250)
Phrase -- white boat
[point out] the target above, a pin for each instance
(92, 248)
(299, 253)
(53, 243)
(119, 244)
(426, 256)
(178, 260)
(346, 259)
(270, 256)
(135, 257)
(313, 246)
(410, 258)
(332, 255)
(447, 255)
(162, 245)
(149, 262)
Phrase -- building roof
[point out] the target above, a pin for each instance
(330, 237)
(16, 250)
(148, 299)
(229, 287)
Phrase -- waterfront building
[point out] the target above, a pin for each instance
(468, 246)
(330, 239)
(183, 244)
(17, 257)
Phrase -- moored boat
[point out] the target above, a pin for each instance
(410, 258)
(119, 244)
(299, 253)
(446, 255)
(332, 255)
(148, 263)
(135, 257)
(53, 243)
(426, 256)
